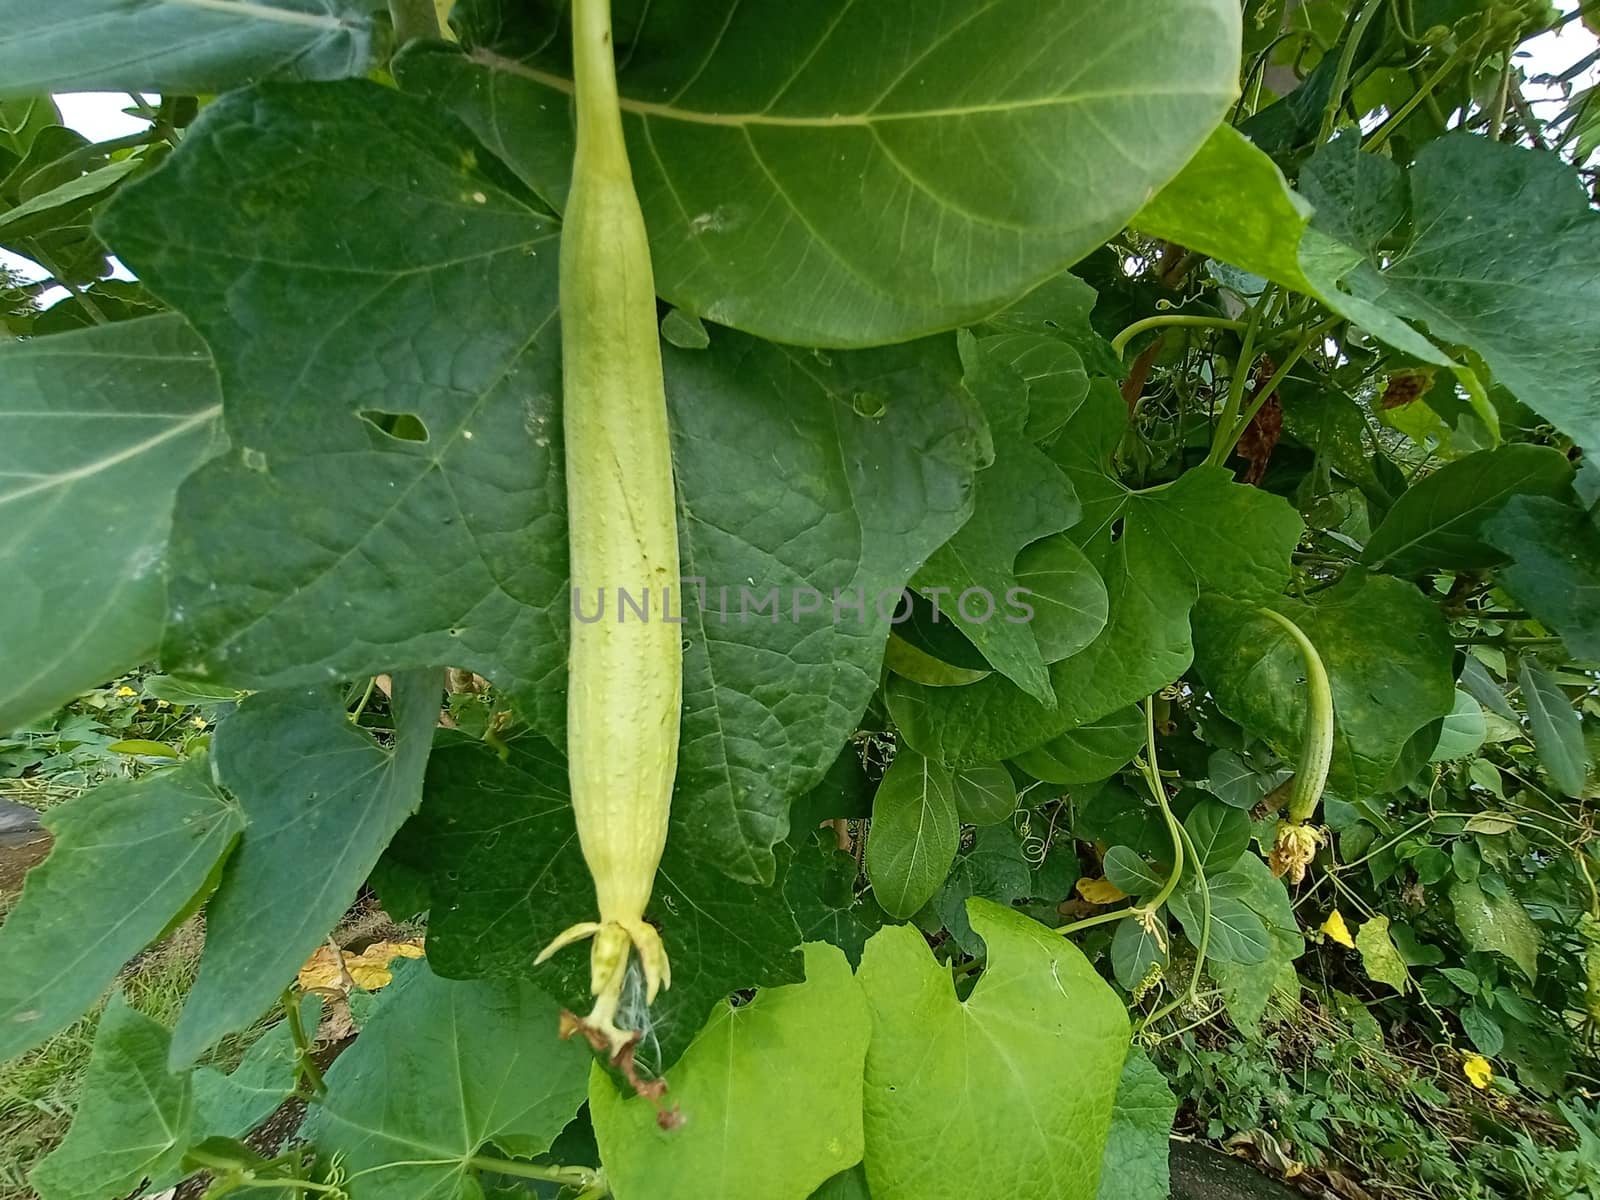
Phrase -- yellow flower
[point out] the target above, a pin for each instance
(1100, 891)
(1336, 929)
(198, 722)
(1477, 1070)
(125, 691)
(1293, 849)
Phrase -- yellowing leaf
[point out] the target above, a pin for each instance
(1380, 956)
(368, 970)
(1336, 929)
(143, 746)
(1100, 891)
(1477, 1070)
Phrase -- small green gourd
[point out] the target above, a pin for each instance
(625, 678)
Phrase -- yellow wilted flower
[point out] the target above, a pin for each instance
(1100, 891)
(1477, 1070)
(1336, 929)
(368, 970)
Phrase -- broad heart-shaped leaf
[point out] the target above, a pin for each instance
(1090, 752)
(1557, 728)
(821, 889)
(507, 876)
(1019, 498)
(770, 1094)
(828, 174)
(97, 429)
(1237, 934)
(179, 46)
(915, 832)
(1130, 873)
(437, 300)
(1498, 247)
(1050, 368)
(1066, 595)
(1135, 1166)
(1156, 550)
(1555, 567)
(1387, 652)
(443, 1070)
(127, 859)
(1496, 923)
(321, 800)
(1246, 988)
(1439, 521)
(133, 1122)
(1030, 1061)
(1231, 202)
(1220, 834)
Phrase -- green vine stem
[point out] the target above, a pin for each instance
(588, 1178)
(1151, 772)
(1162, 320)
(302, 1044)
(1347, 58)
(1192, 993)
(1233, 423)
(1316, 741)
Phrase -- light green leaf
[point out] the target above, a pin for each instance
(1090, 752)
(133, 1121)
(996, 869)
(1487, 221)
(1052, 371)
(1388, 655)
(1067, 596)
(1134, 950)
(179, 46)
(1439, 521)
(1059, 309)
(1238, 934)
(1464, 730)
(770, 1095)
(1030, 1061)
(1231, 202)
(1135, 1165)
(826, 174)
(1380, 958)
(232, 1104)
(1246, 988)
(44, 212)
(1555, 567)
(1220, 833)
(97, 429)
(984, 794)
(1557, 728)
(1129, 872)
(1496, 923)
(914, 835)
(273, 587)
(127, 859)
(443, 1070)
(322, 799)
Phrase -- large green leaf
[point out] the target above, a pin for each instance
(273, 586)
(134, 1120)
(1555, 567)
(1557, 728)
(1439, 521)
(1090, 752)
(1135, 1166)
(769, 1093)
(1387, 652)
(1496, 250)
(830, 174)
(1246, 987)
(915, 833)
(441, 1071)
(321, 799)
(821, 889)
(97, 429)
(497, 837)
(179, 46)
(1156, 550)
(1029, 1062)
(127, 859)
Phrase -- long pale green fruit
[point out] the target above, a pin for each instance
(625, 678)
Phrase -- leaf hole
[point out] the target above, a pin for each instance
(403, 427)
(1117, 528)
